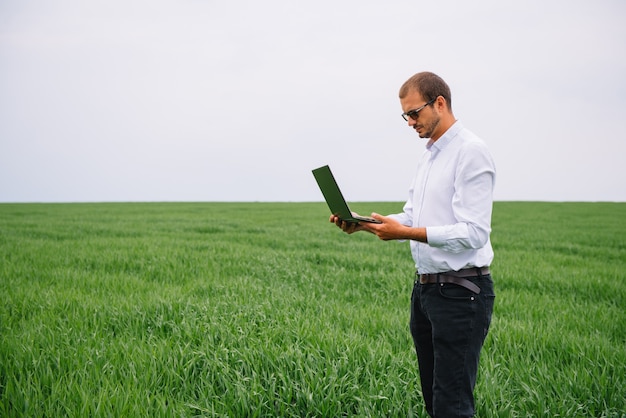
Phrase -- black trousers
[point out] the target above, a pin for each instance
(449, 324)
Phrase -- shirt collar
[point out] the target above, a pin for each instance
(444, 140)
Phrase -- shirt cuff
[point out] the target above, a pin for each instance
(436, 236)
(453, 238)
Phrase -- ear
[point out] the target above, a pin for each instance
(441, 104)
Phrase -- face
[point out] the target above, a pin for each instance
(427, 120)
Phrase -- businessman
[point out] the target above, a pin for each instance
(447, 219)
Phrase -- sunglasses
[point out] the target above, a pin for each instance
(413, 113)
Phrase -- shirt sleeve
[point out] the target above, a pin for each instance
(472, 203)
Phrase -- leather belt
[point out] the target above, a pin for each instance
(456, 277)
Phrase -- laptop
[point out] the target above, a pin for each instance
(334, 198)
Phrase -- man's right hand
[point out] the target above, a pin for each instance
(347, 227)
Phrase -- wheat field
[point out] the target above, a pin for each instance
(267, 310)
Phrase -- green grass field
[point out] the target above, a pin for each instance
(265, 309)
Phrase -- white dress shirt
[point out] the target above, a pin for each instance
(452, 196)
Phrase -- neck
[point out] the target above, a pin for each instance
(446, 121)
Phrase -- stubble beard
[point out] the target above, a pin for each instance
(429, 128)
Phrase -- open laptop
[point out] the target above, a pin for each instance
(334, 198)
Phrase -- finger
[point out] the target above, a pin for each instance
(377, 216)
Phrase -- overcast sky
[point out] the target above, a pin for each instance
(190, 100)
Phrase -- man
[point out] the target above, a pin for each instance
(447, 219)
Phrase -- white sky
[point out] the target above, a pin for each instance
(190, 100)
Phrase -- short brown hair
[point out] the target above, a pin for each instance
(429, 86)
